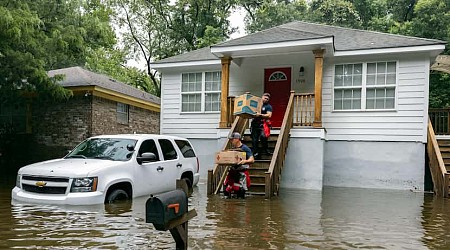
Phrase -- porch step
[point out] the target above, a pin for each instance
(257, 179)
(261, 164)
(256, 193)
(444, 148)
(257, 188)
(257, 171)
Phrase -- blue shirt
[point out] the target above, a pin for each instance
(247, 150)
(257, 121)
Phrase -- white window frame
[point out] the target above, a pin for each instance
(123, 111)
(202, 93)
(364, 87)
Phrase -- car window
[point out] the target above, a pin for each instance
(185, 148)
(115, 149)
(168, 150)
(149, 146)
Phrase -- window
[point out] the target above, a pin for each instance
(122, 113)
(185, 148)
(168, 150)
(200, 92)
(113, 149)
(380, 84)
(277, 76)
(365, 86)
(149, 146)
(347, 86)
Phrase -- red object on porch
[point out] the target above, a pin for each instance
(277, 82)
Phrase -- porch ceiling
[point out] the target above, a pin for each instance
(263, 49)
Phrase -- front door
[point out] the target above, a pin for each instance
(277, 82)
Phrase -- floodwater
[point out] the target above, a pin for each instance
(336, 218)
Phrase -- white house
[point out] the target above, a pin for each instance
(363, 119)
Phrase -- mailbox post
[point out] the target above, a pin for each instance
(169, 211)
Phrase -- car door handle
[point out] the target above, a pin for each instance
(159, 169)
(179, 165)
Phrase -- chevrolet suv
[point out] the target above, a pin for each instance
(103, 169)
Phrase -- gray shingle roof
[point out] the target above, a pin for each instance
(345, 39)
(196, 55)
(77, 77)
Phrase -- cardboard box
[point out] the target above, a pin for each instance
(247, 105)
(229, 157)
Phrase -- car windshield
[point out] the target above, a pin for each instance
(114, 149)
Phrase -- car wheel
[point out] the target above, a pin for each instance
(189, 185)
(117, 195)
(188, 182)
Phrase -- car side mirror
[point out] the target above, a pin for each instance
(146, 157)
(130, 147)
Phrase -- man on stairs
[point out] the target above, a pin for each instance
(257, 128)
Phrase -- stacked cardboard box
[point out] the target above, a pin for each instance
(247, 105)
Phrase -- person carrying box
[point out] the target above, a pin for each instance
(238, 179)
(257, 128)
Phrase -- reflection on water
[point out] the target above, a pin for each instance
(336, 218)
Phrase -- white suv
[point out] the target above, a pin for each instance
(106, 168)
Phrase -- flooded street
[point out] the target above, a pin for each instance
(336, 218)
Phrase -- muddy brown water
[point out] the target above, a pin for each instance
(335, 218)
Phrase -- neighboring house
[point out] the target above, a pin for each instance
(364, 123)
(99, 105)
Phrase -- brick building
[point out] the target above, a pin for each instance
(99, 105)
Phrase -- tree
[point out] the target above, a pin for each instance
(266, 14)
(112, 62)
(37, 36)
(157, 29)
(22, 56)
(335, 12)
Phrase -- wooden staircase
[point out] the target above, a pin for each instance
(265, 173)
(444, 148)
(439, 162)
(259, 168)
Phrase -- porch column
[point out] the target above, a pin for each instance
(224, 91)
(318, 65)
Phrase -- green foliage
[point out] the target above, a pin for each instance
(439, 90)
(335, 12)
(40, 35)
(113, 63)
(271, 13)
(212, 36)
(157, 29)
(22, 57)
(427, 14)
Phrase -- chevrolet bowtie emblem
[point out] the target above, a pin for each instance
(41, 183)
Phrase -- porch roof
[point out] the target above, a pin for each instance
(298, 34)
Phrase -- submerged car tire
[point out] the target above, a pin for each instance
(189, 185)
(117, 195)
